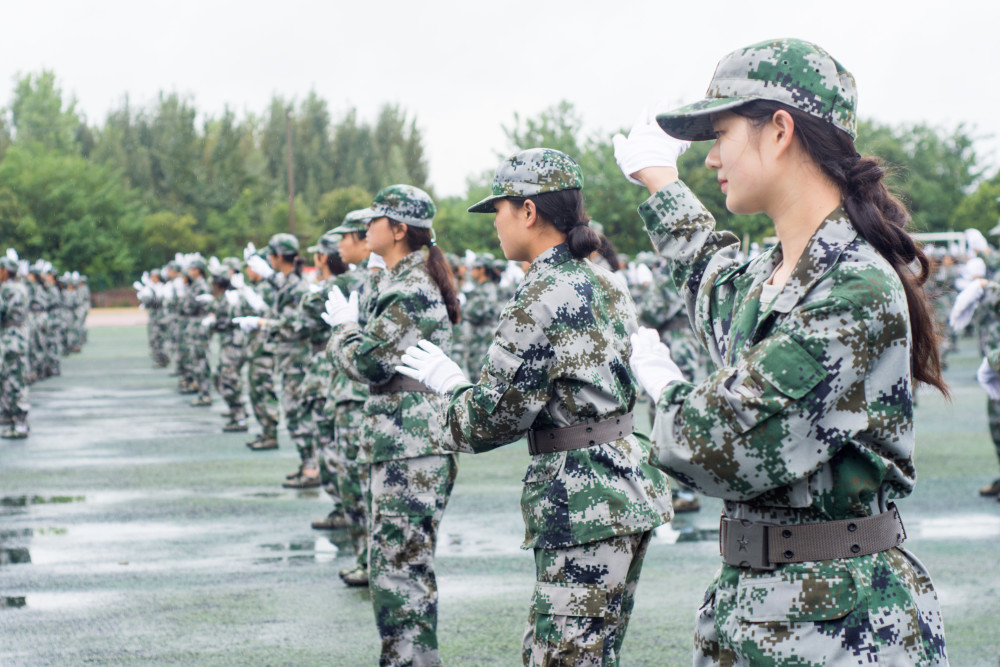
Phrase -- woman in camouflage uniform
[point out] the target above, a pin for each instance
(557, 372)
(404, 441)
(805, 429)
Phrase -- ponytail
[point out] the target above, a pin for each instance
(437, 267)
(563, 209)
(878, 217)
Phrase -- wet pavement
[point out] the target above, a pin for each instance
(133, 531)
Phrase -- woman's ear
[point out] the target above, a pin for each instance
(782, 128)
(399, 231)
(530, 213)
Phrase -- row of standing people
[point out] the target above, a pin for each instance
(804, 426)
(42, 318)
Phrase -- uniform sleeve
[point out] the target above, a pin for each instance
(683, 232)
(371, 354)
(784, 409)
(513, 388)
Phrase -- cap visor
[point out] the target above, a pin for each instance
(486, 205)
(693, 122)
(314, 248)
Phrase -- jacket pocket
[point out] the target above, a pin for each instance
(821, 591)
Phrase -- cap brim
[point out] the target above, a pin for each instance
(486, 205)
(314, 248)
(693, 122)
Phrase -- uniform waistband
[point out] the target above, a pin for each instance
(580, 436)
(765, 546)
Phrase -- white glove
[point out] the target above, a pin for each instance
(376, 262)
(232, 297)
(965, 306)
(137, 285)
(248, 323)
(145, 280)
(249, 251)
(989, 380)
(208, 321)
(260, 266)
(315, 288)
(236, 280)
(340, 310)
(651, 363)
(204, 298)
(254, 300)
(144, 294)
(646, 145)
(180, 287)
(427, 363)
(12, 254)
(214, 265)
(24, 268)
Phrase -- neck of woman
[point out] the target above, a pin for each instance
(397, 252)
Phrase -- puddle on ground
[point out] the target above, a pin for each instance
(319, 550)
(971, 526)
(24, 501)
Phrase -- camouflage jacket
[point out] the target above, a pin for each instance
(362, 280)
(13, 318)
(311, 326)
(986, 320)
(809, 416)
(559, 358)
(261, 342)
(408, 307)
(285, 314)
(190, 306)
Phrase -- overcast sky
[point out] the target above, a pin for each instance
(464, 68)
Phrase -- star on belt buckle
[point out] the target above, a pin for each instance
(743, 543)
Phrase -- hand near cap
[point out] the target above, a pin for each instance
(260, 266)
(340, 310)
(651, 363)
(427, 363)
(236, 281)
(647, 146)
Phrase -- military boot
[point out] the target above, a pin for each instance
(355, 576)
(201, 401)
(263, 443)
(333, 521)
(303, 481)
(991, 490)
(236, 426)
(15, 432)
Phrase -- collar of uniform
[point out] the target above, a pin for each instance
(552, 257)
(406, 263)
(821, 253)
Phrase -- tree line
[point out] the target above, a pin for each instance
(116, 198)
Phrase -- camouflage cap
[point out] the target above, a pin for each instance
(198, 262)
(353, 222)
(327, 244)
(7, 263)
(483, 260)
(532, 172)
(233, 263)
(403, 203)
(791, 71)
(283, 244)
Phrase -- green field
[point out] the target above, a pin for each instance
(132, 530)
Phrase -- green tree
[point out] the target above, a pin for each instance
(337, 203)
(39, 114)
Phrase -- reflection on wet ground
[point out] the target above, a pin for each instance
(319, 550)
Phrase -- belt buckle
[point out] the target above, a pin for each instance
(744, 544)
(532, 448)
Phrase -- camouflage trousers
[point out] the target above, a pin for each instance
(291, 367)
(406, 500)
(157, 339)
(341, 455)
(993, 417)
(201, 371)
(878, 609)
(583, 599)
(53, 348)
(229, 377)
(14, 403)
(263, 399)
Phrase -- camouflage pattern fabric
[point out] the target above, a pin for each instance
(260, 371)
(582, 602)
(808, 418)
(791, 71)
(407, 308)
(315, 388)
(14, 341)
(53, 344)
(986, 321)
(233, 343)
(408, 499)
(403, 438)
(198, 337)
(402, 203)
(480, 316)
(531, 172)
(560, 357)
(291, 355)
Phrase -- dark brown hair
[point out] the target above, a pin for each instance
(335, 264)
(878, 216)
(437, 266)
(563, 209)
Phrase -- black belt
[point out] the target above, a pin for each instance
(580, 436)
(399, 383)
(765, 546)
